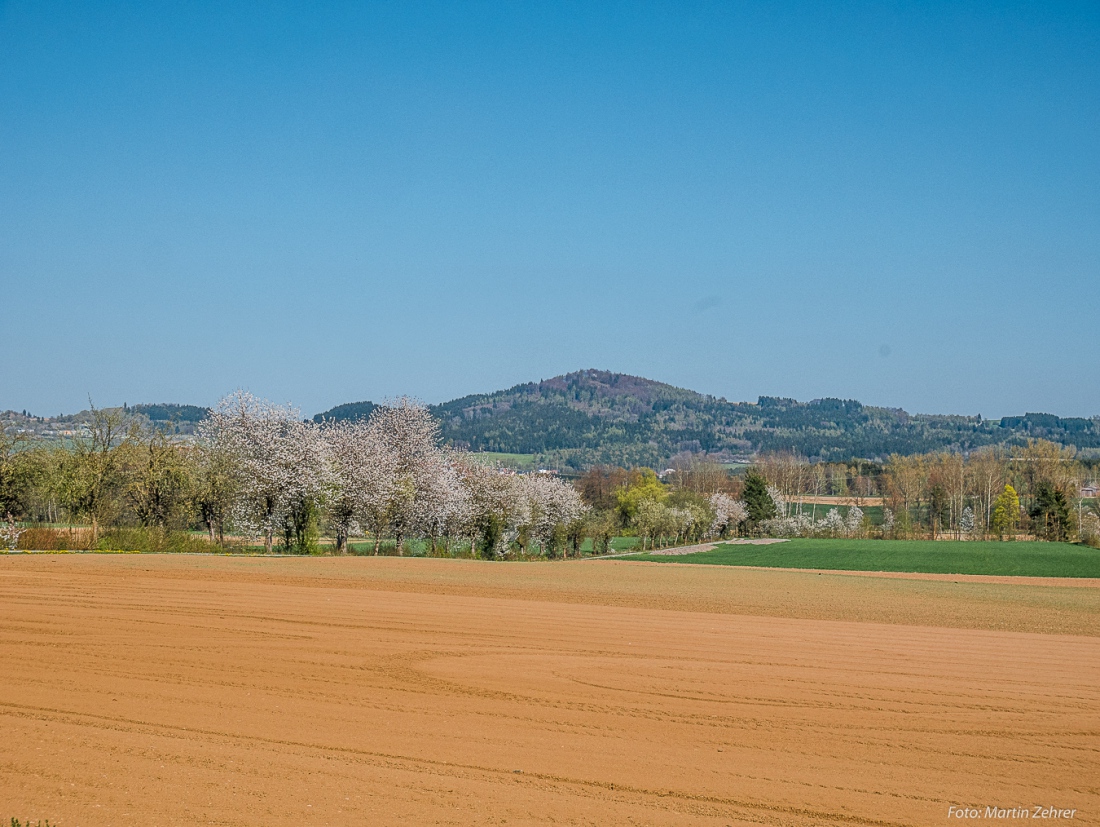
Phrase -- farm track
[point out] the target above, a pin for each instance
(158, 690)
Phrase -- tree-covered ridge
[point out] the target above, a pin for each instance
(348, 412)
(169, 412)
(598, 417)
(591, 417)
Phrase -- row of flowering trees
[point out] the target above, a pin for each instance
(268, 473)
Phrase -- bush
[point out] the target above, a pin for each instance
(55, 539)
(155, 539)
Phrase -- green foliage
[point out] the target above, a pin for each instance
(1022, 559)
(597, 417)
(167, 412)
(160, 480)
(1006, 512)
(154, 539)
(301, 531)
(939, 507)
(646, 488)
(1050, 513)
(348, 412)
(758, 503)
(602, 526)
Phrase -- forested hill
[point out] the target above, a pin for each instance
(592, 416)
(595, 416)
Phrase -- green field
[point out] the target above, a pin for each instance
(873, 512)
(617, 544)
(1031, 559)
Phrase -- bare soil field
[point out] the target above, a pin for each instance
(167, 690)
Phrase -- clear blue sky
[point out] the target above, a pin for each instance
(326, 202)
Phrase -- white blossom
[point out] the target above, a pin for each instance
(728, 514)
(854, 522)
(833, 523)
(551, 504)
(10, 533)
(363, 479)
(966, 520)
(498, 507)
(280, 462)
(778, 500)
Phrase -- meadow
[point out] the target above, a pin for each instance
(1020, 559)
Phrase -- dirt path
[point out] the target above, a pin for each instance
(160, 690)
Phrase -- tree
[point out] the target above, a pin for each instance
(939, 508)
(645, 486)
(160, 480)
(91, 471)
(600, 484)
(759, 505)
(602, 526)
(987, 467)
(1006, 512)
(729, 514)
(498, 507)
(14, 473)
(853, 523)
(966, 522)
(832, 524)
(444, 505)
(363, 476)
(906, 479)
(1050, 513)
(551, 506)
(410, 434)
(1041, 461)
(650, 519)
(280, 466)
(215, 487)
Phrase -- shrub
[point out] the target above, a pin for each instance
(155, 539)
(54, 539)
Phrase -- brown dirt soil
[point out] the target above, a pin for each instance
(161, 690)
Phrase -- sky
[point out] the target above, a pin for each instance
(329, 202)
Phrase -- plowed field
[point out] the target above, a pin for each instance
(157, 690)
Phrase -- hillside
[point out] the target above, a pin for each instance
(595, 416)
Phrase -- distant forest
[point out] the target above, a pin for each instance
(596, 417)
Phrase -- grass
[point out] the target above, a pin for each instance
(1021, 559)
(617, 544)
(874, 512)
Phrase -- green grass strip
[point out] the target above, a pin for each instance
(1019, 559)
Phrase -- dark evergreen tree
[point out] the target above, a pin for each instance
(1050, 514)
(758, 502)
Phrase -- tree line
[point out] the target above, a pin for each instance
(993, 492)
(258, 473)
